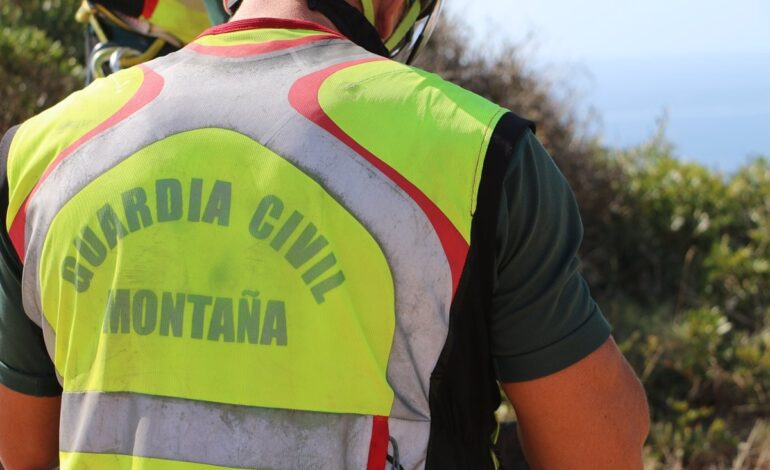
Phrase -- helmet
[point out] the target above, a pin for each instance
(124, 33)
(407, 39)
(414, 29)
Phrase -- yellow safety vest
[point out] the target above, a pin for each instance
(243, 255)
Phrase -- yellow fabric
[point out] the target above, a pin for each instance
(220, 259)
(41, 139)
(436, 136)
(369, 11)
(255, 36)
(125, 462)
(185, 19)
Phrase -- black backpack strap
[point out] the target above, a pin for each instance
(464, 393)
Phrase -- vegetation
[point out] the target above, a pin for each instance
(40, 56)
(678, 255)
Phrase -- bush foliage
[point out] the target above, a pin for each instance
(678, 255)
(40, 56)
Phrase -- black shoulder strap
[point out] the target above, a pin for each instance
(509, 130)
(464, 393)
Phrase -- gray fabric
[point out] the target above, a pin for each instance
(212, 433)
(5, 149)
(412, 440)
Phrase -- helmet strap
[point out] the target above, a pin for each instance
(351, 23)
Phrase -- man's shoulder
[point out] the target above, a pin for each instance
(388, 84)
(43, 137)
(39, 141)
(84, 108)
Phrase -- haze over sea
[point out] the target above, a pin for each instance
(704, 65)
(718, 111)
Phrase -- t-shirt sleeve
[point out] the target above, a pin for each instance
(543, 318)
(25, 366)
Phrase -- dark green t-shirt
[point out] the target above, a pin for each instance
(543, 318)
(24, 362)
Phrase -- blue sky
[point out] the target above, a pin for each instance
(612, 29)
(705, 64)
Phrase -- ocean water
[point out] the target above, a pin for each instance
(717, 109)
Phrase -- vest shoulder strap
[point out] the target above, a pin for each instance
(42, 142)
(432, 132)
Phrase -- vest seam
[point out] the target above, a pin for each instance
(480, 160)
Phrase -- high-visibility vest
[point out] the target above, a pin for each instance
(245, 255)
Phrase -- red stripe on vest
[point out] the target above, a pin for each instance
(378, 448)
(149, 90)
(149, 8)
(303, 96)
(246, 50)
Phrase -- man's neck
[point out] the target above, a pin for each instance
(291, 9)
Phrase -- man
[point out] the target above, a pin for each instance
(276, 249)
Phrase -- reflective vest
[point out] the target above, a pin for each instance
(254, 253)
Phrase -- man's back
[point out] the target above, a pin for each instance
(233, 245)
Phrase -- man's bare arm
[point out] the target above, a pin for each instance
(29, 431)
(592, 415)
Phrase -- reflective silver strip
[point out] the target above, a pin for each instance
(412, 439)
(423, 284)
(211, 433)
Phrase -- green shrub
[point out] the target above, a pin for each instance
(40, 51)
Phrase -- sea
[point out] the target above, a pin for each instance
(716, 110)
